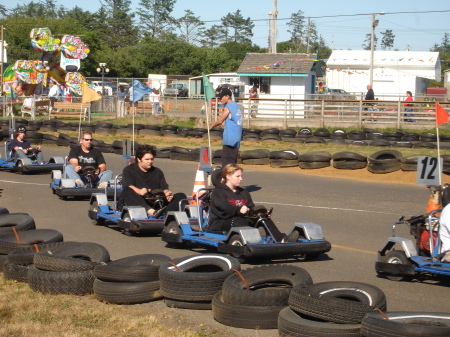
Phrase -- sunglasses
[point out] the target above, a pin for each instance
(88, 139)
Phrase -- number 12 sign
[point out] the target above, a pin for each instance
(429, 170)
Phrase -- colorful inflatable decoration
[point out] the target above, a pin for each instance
(75, 82)
(30, 72)
(42, 40)
(73, 48)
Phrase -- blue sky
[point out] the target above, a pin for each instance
(417, 30)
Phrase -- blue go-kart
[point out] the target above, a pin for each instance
(306, 239)
(400, 258)
(29, 164)
(131, 219)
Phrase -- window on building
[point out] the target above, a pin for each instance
(262, 83)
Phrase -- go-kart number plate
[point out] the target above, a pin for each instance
(429, 170)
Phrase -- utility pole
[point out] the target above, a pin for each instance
(273, 42)
(269, 49)
(372, 46)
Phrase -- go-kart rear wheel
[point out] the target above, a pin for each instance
(396, 257)
(236, 240)
(95, 208)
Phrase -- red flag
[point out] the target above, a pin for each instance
(441, 115)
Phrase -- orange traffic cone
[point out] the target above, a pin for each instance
(168, 106)
(199, 183)
(432, 205)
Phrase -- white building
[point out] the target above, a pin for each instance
(394, 72)
(281, 75)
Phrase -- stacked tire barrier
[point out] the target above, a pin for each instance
(191, 282)
(129, 280)
(253, 298)
(66, 269)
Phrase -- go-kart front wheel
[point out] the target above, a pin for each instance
(396, 257)
(95, 208)
(173, 228)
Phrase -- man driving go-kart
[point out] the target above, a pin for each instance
(87, 165)
(21, 148)
(142, 182)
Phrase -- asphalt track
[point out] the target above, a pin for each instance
(356, 218)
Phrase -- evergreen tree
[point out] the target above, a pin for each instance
(297, 30)
(155, 17)
(119, 20)
(191, 27)
(242, 28)
(366, 44)
(387, 42)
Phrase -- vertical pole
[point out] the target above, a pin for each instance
(273, 41)
(3, 46)
(372, 48)
(103, 87)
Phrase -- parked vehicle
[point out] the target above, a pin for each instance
(100, 86)
(176, 89)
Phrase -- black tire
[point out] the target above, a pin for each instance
(146, 132)
(424, 145)
(15, 272)
(247, 317)
(359, 143)
(95, 208)
(255, 154)
(338, 141)
(356, 135)
(283, 163)
(411, 324)
(236, 240)
(338, 134)
(384, 161)
(169, 128)
(315, 156)
(313, 165)
(284, 154)
(314, 140)
(3, 260)
(126, 292)
(200, 278)
(339, 302)
(179, 149)
(292, 324)
(106, 131)
(55, 282)
(374, 135)
(138, 268)
(349, 165)
(171, 303)
(269, 285)
(262, 161)
(402, 144)
(8, 242)
(21, 222)
(349, 156)
(380, 143)
(395, 257)
(3, 211)
(72, 256)
(25, 256)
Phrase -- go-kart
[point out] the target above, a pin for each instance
(305, 239)
(29, 164)
(400, 258)
(64, 187)
(131, 219)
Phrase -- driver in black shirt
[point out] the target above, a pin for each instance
(141, 178)
(86, 155)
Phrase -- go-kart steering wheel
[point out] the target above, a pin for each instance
(156, 198)
(88, 170)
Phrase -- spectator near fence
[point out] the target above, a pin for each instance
(409, 98)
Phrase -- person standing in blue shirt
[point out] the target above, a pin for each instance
(232, 133)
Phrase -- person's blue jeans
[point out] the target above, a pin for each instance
(20, 154)
(409, 115)
(155, 108)
(104, 176)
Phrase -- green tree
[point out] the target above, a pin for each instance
(213, 36)
(44, 8)
(119, 20)
(297, 30)
(191, 27)
(366, 44)
(242, 28)
(387, 42)
(155, 17)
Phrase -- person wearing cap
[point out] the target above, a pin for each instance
(86, 155)
(20, 147)
(232, 133)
